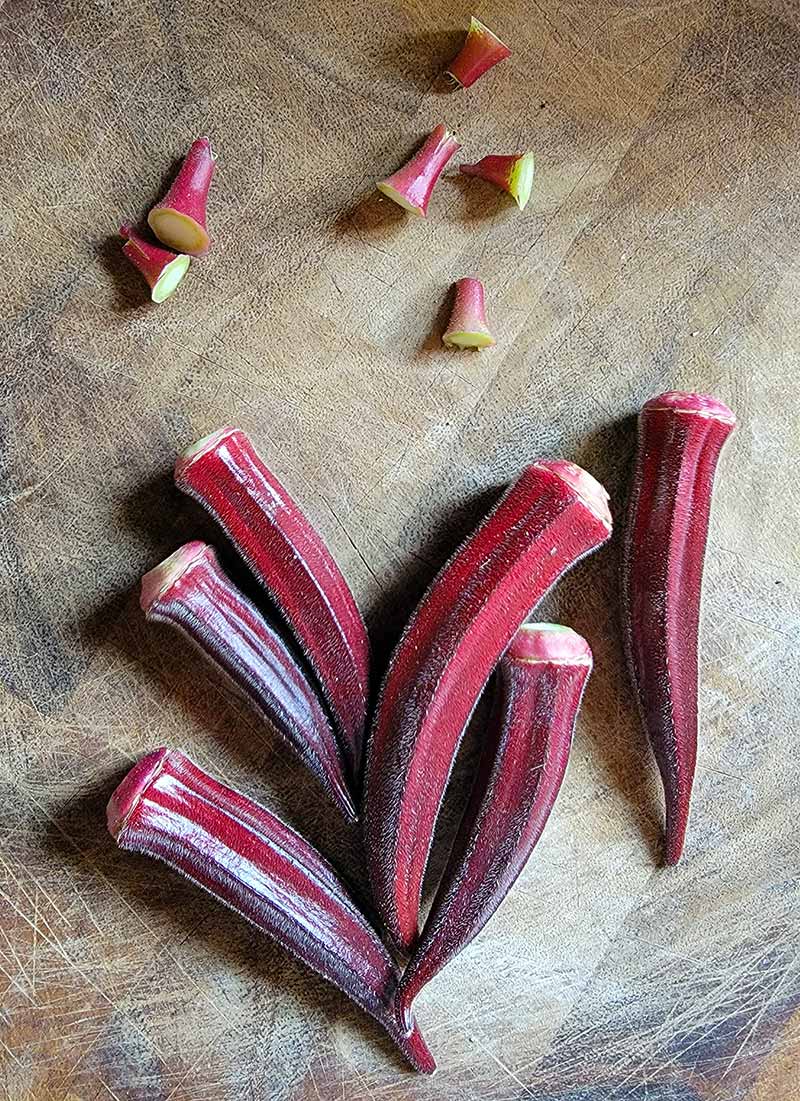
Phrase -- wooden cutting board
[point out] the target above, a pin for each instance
(660, 250)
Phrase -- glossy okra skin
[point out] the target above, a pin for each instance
(681, 436)
(412, 185)
(190, 591)
(541, 679)
(550, 518)
(168, 808)
(225, 473)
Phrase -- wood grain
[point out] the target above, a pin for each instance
(661, 249)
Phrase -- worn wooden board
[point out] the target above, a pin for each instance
(660, 250)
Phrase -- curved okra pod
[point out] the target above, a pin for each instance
(225, 473)
(190, 591)
(680, 440)
(168, 808)
(541, 681)
(550, 518)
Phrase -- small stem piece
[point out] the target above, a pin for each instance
(552, 516)
(225, 473)
(411, 186)
(179, 220)
(681, 437)
(467, 327)
(481, 50)
(168, 808)
(162, 269)
(541, 681)
(190, 591)
(513, 173)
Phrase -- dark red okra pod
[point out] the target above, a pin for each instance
(168, 808)
(190, 591)
(552, 516)
(680, 440)
(541, 681)
(225, 473)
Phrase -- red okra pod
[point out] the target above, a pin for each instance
(541, 681)
(552, 516)
(225, 473)
(168, 808)
(190, 591)
(680, 440)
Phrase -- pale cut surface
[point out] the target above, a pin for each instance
(178, 231)
(469, 340)
(521, 180)
(170, 277)
(393, 194)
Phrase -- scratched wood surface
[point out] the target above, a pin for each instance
(661, 249)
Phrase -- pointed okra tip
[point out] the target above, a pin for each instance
(412, 184)
(158, 581)
(179, 220)
(129, 791)
(203, 144)
(549, 642)
(513, 172)
(162, 269)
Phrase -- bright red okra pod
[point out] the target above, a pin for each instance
(190, 591)
(225, 473)
(168, 808)
(541, 681)
(681, 437)
(552, 516)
